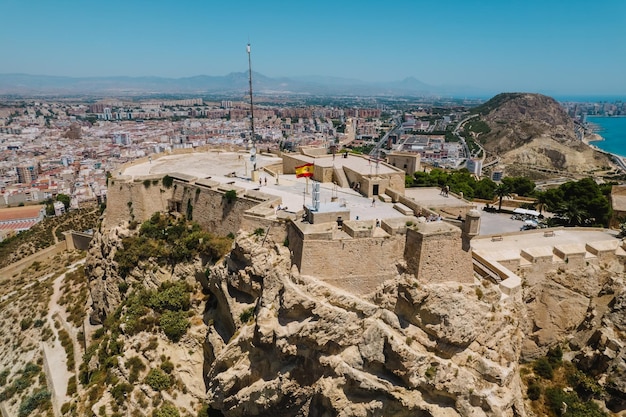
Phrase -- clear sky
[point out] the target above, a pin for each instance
(548, 46)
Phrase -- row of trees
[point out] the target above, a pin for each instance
(462, 181)
(575, 203)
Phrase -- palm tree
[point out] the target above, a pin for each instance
(574, 214)
(541, 201)
(502, 190)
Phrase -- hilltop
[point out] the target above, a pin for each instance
(532, 132)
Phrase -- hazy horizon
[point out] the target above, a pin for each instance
(549, 48)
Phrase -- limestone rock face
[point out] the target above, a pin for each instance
(105, 282)
(276, 342)
(289, 345)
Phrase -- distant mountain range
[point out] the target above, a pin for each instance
(234, 83)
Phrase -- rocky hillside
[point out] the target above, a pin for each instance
(237, 331)
(533, 130)
(274, 342)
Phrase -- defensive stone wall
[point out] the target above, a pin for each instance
(362, 256)
(433, 252)
(357, 259)
(77, 240)
(533, 263)
(209, 207)
(357, 265)
(291, 161)
(135, 200)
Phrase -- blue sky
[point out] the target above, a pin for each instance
(550, 46)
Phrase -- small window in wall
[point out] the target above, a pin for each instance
(375, 189)
(405, 166)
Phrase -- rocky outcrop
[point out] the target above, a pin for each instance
(289, 345)
(276, 342)
(533, 130)
(107, 286)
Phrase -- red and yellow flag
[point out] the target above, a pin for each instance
(305, 170)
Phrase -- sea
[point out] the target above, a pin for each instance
(613, 130)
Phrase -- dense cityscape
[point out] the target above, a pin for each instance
(67, 147)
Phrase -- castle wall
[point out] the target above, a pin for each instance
(133, 200)
(355, 265)
(434, 254)
(211, 210)
(291, 161)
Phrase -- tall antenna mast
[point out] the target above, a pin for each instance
(253, 147)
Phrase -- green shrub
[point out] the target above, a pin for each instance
(68, 407)
(479, 293)
(167, 367)
(166, 410)
(585, 386)
(259, 231)
(533, 391)
(171, 296)
(168, 181)
(135, 365)
(174, 324)
(3, 377)
(543, 368)
(71, 386)
(25, 323)
(230, 196)
(39, 399)
(168, 241)
(555, 355)
(158, 380)
(247, 315)
(121, 391)
(431, 372)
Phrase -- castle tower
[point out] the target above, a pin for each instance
(471, 228)
(434, 253)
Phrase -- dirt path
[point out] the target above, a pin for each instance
(56, 358)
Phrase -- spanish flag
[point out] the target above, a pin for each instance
(305, 170)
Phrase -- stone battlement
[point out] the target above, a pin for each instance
(356, 255)
(532, 255)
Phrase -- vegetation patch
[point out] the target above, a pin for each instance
(158, 380)
(558, 388)
(38, 400)
(168, 181)
(168, 240)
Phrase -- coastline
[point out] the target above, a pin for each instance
(618, 159)
(614, 128)
(595, 137)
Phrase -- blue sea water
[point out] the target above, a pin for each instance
(613, 130)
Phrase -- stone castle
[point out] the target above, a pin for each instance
(329, 242)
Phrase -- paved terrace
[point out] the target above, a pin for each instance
(509, 245)
(534, 238)
(220, 165)
(431, 197)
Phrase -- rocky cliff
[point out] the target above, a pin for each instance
(289, 345)
(533, 130)
(262, 339)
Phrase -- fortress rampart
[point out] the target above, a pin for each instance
(542, 252)
(356, 256)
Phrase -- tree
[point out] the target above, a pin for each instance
(501, 191)
(519, 185)
(65, 199)
(573, 213)
(541, 200)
